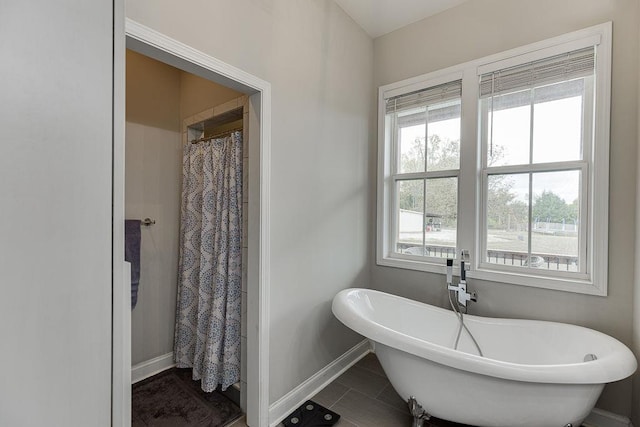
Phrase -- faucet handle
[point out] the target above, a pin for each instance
(449, 271)
(465, 258)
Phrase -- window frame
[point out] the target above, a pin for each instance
(396, 177)
(472, 174)
(581, 165)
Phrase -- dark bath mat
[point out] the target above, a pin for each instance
(172, 399)
(310, 414)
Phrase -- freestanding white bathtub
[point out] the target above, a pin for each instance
(533, 373)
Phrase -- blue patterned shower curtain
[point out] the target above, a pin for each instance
(207, 335)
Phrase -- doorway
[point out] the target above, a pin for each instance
(154, 45)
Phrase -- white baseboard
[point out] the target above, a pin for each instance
(602, 418)
(151, 367)
(296, 397)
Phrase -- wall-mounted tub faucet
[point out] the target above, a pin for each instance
(461, 288)
(463, 297)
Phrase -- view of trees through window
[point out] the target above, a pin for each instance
(444, 155)
(526, 130)
(428, 206)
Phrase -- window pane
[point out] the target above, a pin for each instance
(432, 232)
(508, 219)
(555, 218)
(441, 217)
(411, 140)
(432, 132)
(443, 139)
(508, 128)
(410, 216)
(557, 122)
(554, 221)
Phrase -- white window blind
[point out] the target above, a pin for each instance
(432, 95)
(566, 66)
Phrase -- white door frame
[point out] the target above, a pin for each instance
(158, 46)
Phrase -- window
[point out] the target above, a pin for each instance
(506, 157)
(425, 129)
(536, 120)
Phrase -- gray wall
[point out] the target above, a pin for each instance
(55, 214)
(153, 162)
(479, 28)
(636, 300)
(319, 64)
(198, 94)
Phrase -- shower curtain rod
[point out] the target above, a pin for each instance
(207, 138)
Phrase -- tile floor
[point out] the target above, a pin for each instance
(364, 397)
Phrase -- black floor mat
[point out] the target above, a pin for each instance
(172, 398)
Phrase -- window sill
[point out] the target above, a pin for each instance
(409, 264)
(574, 285)
(579, 286)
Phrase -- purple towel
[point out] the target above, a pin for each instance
(132, 238)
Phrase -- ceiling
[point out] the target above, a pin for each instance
(379, 17)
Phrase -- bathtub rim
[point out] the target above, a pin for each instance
(616, 365)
